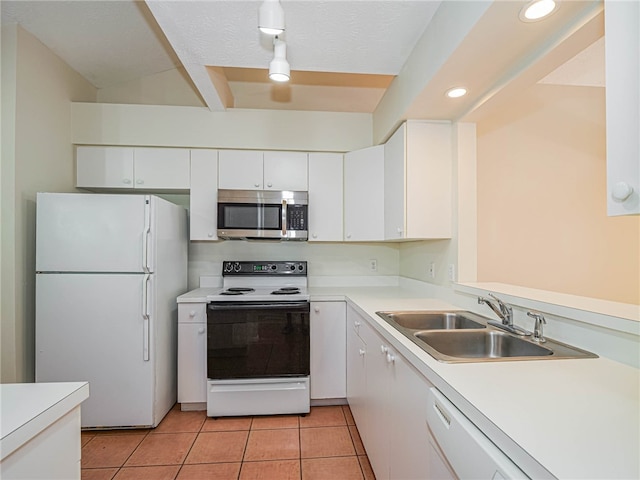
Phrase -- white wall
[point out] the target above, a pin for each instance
(159, 125)
(324, 259)
(37, 155)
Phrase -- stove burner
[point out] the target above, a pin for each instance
(237, 291)
(286, 291)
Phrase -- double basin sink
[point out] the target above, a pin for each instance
(459, 336)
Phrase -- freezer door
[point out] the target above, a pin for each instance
(94, 328)
(93, 233)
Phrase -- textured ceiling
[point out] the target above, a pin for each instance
(343, 53)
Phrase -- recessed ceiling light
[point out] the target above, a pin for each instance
(456, 92)
(537, 10)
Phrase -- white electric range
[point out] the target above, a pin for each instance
(258, 340)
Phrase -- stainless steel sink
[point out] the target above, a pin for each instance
(481, 344)
(433, 320)
(461, 336)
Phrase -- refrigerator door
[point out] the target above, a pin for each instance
(98, 328)
(93, 233)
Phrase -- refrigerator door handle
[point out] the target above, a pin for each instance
(146, 235)
(146, 314)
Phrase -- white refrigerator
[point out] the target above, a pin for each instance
(108, 271)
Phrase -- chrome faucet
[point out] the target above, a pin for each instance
(537, 328)
(505, 313)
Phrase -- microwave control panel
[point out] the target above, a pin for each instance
(296, 217)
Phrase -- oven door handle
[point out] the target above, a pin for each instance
(291, 306)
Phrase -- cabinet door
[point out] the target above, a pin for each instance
(162, 168)
(240, 169)
(622, 27)
(394, 185)
(285, 171)
(104, 167)
(328, 350)
(192, 362)
(378, 390)
(203, 198)
(408, 432)
(364, 194)
(325, 197)
(356, 378)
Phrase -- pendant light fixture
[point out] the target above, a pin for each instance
(279, 70)
(271, 17)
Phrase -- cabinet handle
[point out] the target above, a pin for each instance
(269, 185)
(200, 330)
(126, 181)
(140, 182)
(399, 231)
(210, 234)
(348, 235)
(390, 358)
(192, 313)
(356, 324)
(621, 191)
(256, 185)
(316, 309)
(361, 352)
(383, 349)
(314, 235)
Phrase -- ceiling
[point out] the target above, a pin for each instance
(344, 54)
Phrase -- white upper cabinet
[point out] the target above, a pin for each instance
(162, 168)
(255, 170)
(285, 171)
(132, 167)
(203, 206)
(240, 170)
(622, 51)
(417, 182)
(325, 197)
(364, 194)
(104, 167)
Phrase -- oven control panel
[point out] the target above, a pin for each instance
(264, 268)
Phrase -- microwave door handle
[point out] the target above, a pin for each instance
(284, 218)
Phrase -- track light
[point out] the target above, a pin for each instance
(279, 70)
(271, 17)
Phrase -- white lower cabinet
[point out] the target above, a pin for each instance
(328, 350)
(192, 356)
(388, 398)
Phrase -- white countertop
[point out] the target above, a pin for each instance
(555, 418)
(26, 409)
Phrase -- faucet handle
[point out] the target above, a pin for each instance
(537, 328)
(504, 308)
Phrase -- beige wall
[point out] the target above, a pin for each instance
(542, 219)
(172, 87)
(36, 137)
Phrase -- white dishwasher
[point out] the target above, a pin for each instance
(459, 450)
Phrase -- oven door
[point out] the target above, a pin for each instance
(257, 339)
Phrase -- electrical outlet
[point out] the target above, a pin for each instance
(452, 272)
(373, 265)
(432, 270)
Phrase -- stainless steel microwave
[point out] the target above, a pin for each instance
(262, 214)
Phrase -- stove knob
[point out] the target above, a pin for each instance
(236, 267)
(273, 267)
(293, 267)
(300, 267)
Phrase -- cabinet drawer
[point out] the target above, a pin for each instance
(192, 313)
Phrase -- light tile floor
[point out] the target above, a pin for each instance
(323, 445)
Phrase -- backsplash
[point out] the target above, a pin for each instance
(324, 259)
